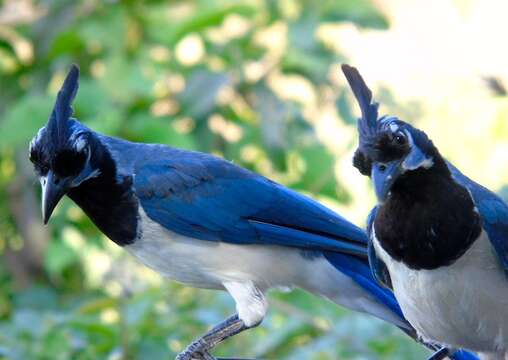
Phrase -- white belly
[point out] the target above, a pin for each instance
(462, 305)
(210, 264)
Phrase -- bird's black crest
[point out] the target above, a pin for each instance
(367, 124)
(377, 140)
(59, 120)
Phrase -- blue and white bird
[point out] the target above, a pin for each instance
(439, 239)
(205, 222)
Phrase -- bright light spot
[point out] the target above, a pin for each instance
(235, 26)
(273, 38)
(184, 125)
(175, 345)
(227, 129)
(215, 63)
(97, 263)
(164, 107)
(226, 95)
(176, 83)
(250, 153)
(110, 316)
(98, 69)
(22, 47)
(73, 238)
(254, 70)
(160, 53)
(160, 89)
(293, 87)
(75, 213)
(190, 50)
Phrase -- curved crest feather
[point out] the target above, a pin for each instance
(62, 111)
(367, 124)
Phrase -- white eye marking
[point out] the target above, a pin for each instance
(409, 138)
(80, 144)
(427, 163)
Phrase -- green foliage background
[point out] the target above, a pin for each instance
(199, 75)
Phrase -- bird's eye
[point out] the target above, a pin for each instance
(382, 168)
(400, 139)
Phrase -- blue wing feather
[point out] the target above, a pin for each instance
(493, 211)
(208, 198)
(378, 267)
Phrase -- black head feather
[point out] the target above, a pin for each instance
(58, 123)
(367, 124)
(60, 145)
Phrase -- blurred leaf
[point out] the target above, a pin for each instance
(198, 97)
(58, 256)
(344, 108)
(319, 175)
(361, 12)
(32, 111)
(37, 298)
(204, 20)
(157, 130)
(68, 42)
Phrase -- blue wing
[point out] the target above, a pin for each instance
(208, 198)
(493, 211)
(377, 266)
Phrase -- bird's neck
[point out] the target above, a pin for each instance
(108, 199)
(428, 220)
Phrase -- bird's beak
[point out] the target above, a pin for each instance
(383, 176)
(52, 191)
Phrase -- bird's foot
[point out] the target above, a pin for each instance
(199, 349)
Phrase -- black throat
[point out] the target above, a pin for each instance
(108, 199)
(428, 220)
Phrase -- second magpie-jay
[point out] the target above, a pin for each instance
(205, 222)
(439, 239)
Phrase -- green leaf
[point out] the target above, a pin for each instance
(318, 176)
(157, 130)
(58, 256)
(361, 12)
(23, 120)
(203, 20)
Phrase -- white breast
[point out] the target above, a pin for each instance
(462, 305)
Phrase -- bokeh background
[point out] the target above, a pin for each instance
(254, 81)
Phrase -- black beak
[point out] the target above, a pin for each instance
(53, 189)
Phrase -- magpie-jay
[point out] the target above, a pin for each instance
(437, 238)
(205, 222)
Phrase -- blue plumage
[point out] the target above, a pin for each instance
(208, 198)
(493, 211)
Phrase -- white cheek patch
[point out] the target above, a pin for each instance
(416, 158)
(79, 144)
